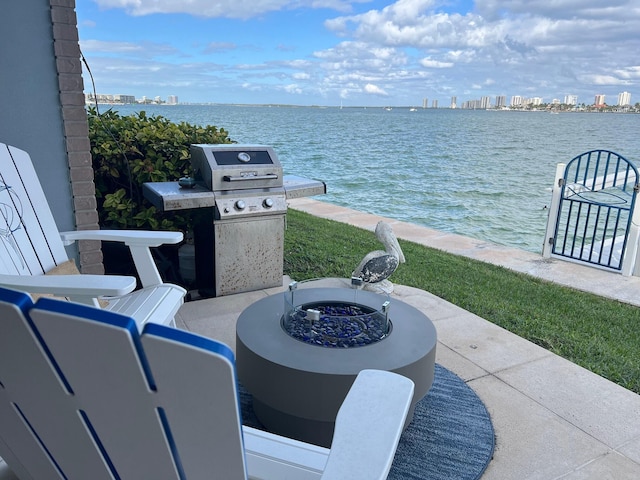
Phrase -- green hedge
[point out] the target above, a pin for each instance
(130, 150)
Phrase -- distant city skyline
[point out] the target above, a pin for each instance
(623, 99)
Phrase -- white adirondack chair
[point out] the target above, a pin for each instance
(31, 246)
(84, 395)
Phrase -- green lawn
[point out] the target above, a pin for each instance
(599, 334)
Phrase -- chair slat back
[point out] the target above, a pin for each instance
(84, 394)
(30, 243)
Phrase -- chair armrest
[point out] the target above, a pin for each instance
(271, 456)
(138, 241)
(79, 288)
(368, 426)
(141, 238)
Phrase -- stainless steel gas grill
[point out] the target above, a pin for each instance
(240, 245)
(239, 197)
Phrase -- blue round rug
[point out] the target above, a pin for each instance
(451, 436)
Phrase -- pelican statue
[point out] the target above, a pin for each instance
(376, 266)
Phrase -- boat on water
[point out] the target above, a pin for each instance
(388, 109)
(413, 109)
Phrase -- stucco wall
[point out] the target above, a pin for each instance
(43, 110)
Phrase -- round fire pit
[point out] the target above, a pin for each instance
(299, 357)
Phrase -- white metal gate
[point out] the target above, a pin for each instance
(592, 212)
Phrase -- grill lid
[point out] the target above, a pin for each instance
(235, 167)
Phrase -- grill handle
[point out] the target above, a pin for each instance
(268, 176)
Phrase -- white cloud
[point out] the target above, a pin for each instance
(629, 73)
(222, 8)
(143, 50)
(375, 90)
(105, 47)
(415, 23)
(251, 86)
(430, 63)
(293, 88)
(555, 8)
(604, 80)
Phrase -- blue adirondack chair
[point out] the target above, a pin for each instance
(84, 395)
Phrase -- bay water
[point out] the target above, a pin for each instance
(482, 174)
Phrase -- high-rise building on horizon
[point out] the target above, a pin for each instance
(571, 100)
(425, 103)
(125, 98)
(172, 100)
(434, 104)
(624, 99)
(454, 102)
(501, 101)
(599, 100)
(516, 101)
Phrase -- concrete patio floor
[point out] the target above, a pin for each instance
(552, 418)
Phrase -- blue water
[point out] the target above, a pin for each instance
(482, 174)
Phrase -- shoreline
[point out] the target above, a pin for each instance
(605, 283)
(359, 107)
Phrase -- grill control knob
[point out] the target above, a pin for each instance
(240, 205)
(267, 203)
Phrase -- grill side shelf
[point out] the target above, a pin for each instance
(168, 196)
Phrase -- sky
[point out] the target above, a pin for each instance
(361, 52)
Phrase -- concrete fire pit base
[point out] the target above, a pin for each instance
(297, 388)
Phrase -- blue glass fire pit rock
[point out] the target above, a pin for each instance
(339, 325)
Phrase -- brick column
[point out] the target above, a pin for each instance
(76, 129)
